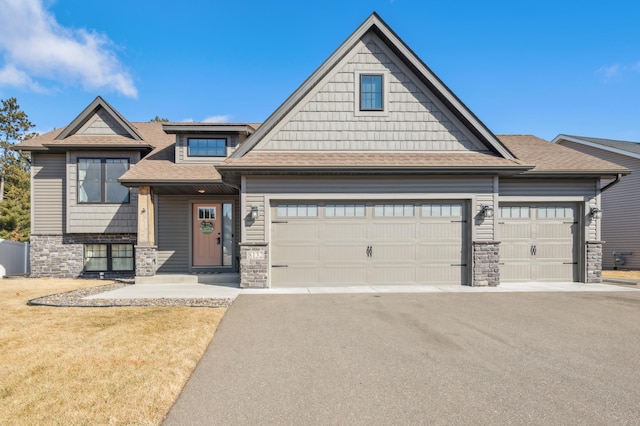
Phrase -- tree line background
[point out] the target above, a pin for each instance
(15, 197)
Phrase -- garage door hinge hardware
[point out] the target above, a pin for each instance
(534, 249)
(279, 221)
(279, 266)
(369, 251)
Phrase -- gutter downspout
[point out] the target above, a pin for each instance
(610, 184)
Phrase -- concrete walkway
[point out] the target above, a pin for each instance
(188, 291)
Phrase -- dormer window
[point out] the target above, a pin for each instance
(210, 147)
(371, 93)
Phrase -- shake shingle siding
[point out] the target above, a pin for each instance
(329, 120)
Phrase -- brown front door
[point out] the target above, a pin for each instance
(207, 234)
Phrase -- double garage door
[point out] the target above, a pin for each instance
(377, 243)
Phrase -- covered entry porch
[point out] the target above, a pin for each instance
(187, 233)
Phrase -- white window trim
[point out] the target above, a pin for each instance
(385, 94)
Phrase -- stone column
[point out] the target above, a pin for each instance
(254, 265)
(146, 249)
(486, 263)
(594, 262)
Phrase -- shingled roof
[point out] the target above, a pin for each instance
(551, 158)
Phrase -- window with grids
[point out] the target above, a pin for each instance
(211, 147)
(515, 212)
(98, 180)
(382, 210)
(108, 257)
(555, 212)
(344, 210)
(371, 86)
(442, 210)
(297, 210)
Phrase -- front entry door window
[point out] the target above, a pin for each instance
(207, 235)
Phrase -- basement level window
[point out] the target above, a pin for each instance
(108, 257)
(216, 147)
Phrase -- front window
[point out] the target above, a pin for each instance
(207, 147)
(108, 257)
(98, 180)
(371, 92)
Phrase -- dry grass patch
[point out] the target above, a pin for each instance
(625, 275)
(122, 365)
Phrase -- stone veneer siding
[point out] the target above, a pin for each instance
(146, 260)
(254, 265)
(62, 256)
(486, 263)
(594, 262)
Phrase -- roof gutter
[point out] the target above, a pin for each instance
(610, 184)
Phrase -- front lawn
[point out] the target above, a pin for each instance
(122, 365)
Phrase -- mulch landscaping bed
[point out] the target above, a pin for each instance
(76, 298)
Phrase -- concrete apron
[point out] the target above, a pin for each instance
(204, 291)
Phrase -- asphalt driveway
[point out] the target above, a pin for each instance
(489, 358)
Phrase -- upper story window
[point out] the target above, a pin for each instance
(371, 92)
(98, 180)
(214, 147)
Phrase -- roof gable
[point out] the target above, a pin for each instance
(626, 148)
(99, 119)
(443, 112)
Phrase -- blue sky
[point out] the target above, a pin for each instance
(525, 67)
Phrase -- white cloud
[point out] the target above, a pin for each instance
(186, 120)
(34, 45)
(224, 118)
(610, 71)
(616, 70)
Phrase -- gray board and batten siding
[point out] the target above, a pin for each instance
(620, 207)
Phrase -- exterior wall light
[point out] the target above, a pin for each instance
(595, 213)
(254, 212)
(486, 211)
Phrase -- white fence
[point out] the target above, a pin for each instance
(14, 258)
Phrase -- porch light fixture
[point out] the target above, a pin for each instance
(486, 211)
(254, 212)
(595, 213)
(200, 191)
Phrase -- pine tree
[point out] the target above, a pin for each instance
(14, 173)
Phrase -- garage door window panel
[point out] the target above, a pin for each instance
(298, 210)
(345, 210)
(441, 210)
(393, 210)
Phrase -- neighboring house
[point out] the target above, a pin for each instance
(620, 203)
(371, 172)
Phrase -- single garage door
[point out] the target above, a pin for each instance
(538, 242)
(374, 243)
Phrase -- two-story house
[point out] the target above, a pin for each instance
(371, 172)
